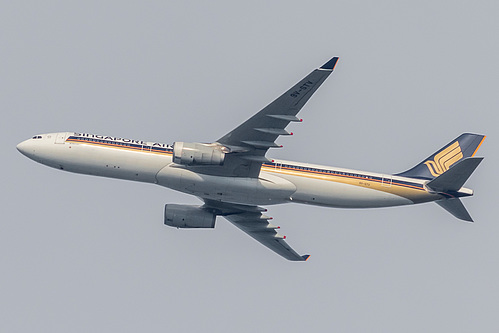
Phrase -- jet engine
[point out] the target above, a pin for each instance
(193, 153)
(186, 216)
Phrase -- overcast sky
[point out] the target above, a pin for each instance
(88, 254)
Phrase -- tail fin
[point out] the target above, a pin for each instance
(460, 148)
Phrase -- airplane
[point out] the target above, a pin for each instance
(234, 178)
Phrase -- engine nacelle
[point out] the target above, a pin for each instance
(186, 216)
(193, 153)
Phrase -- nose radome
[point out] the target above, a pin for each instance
(21, 147)
(25, 148)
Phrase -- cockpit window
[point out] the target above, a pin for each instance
(37, 137)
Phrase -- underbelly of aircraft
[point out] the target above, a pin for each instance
(266, 190)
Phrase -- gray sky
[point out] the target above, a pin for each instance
(87, 254)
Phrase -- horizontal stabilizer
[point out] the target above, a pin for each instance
(456, 208)
(454, 178)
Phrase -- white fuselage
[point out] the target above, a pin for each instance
(278, 182)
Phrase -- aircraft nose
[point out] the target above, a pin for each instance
(26, 148)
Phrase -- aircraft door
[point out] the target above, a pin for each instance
(387, 181)
(60, 138)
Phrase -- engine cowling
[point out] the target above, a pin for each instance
(186, 216)
(193, 153)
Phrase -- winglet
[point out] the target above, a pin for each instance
(330, 64)
(305, 257)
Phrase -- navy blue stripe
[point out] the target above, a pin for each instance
(350, 175)
(118, 144)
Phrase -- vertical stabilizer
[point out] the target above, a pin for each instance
(460, 148)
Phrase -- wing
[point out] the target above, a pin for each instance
(249, 142)
(251, 220)
(260, 131)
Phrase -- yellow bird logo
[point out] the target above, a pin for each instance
(444, 159)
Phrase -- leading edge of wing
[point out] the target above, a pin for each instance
(251, 220)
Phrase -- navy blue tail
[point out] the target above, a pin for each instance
(462, 147)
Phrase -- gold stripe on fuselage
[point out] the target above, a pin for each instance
(415, 193)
